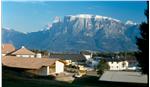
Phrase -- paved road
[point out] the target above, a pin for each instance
(124, 76)
(91, 73)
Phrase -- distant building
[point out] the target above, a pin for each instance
(118, 65)
(88, 55)
(132, 63)
(74, 59)
(93, 62)
(24, 52)
(115, 63)
(7, 49)
(37, 66)
(122, 63)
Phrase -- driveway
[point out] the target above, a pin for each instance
(67, 77)
(124, 76)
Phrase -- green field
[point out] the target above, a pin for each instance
(12, 79)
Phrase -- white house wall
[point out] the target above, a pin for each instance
(118, 65)
(3, 54)
(25, 56)
(59, 67)
(32, 56)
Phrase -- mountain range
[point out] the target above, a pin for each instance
(75, 33)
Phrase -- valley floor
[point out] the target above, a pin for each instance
(10, 79)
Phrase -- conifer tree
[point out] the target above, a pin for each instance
(143, 44)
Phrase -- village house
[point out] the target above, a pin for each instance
(88, 55)
(24, 53)
(122, 63)
(93, 62)
(132, 63)
(7, 49)
(118, 65)
(70, 59)
(74, 60)
(26, 60)
(115, 63)
(37, 66)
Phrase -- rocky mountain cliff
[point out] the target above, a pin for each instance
(78, 32)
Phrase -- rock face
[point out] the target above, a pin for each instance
(79, 32)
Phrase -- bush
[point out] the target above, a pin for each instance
(49, 77)
(102, 66)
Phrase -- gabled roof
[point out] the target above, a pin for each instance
(23, 51)
(86, 52)
(73, 57)
(26, 63)
(7, 48)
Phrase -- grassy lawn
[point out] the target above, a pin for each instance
(10, 79)
(13, 80)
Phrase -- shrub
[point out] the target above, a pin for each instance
(102, 66)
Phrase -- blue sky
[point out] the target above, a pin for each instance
(34, 15)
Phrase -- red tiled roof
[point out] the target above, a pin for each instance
(73, 57)
(26, 63)
(23, 51)
(7, 48)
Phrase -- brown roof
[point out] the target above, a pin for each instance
(26, 63)
(73, 57)
(7, 48)
(23, 51)
(86, 52)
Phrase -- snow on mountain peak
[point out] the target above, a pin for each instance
(104, 17)
(77, 32)
(81, 16)
(89, 16)
(100, 17)
(84, 16)
(130, 22)
(48, 26)
(7, 28)
(25, 32)
(57, 19)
